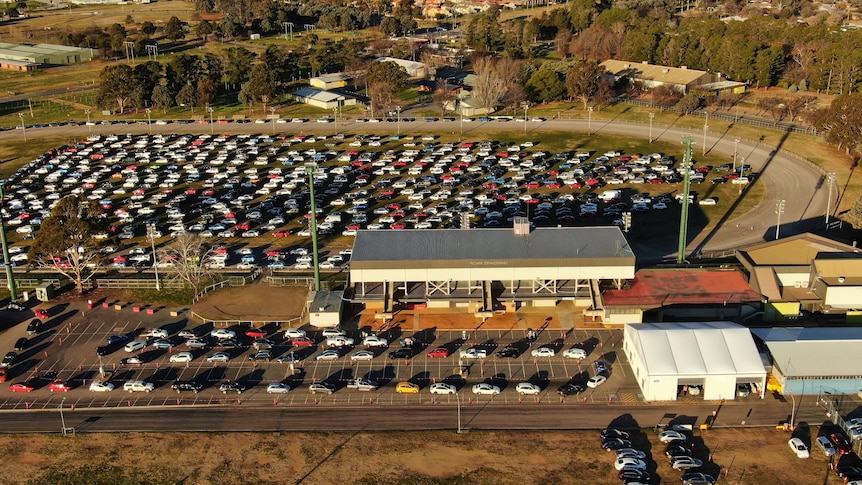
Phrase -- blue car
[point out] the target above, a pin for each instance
(115, 339)
(601, 367)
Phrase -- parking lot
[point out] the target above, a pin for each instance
(64, 349)
(250, 195)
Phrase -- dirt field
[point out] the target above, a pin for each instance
(758, 456)
(258, 301)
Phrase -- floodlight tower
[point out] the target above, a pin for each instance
(688, 141)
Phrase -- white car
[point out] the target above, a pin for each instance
(473, 353)
(640, 455)
(222, 333)
(671, 435)
(683, 463)
(135, 345)
(708, 201)
(362, 355)
(277, 388)
(333, 332)
(596, 381)
(575, 353)
(156, 333)
(543, 352)
(293, 333)
(182, 357)
(485, 389)
(375, 341)
(328, 355)
(219, 357)
(798, 447)
(442, 388)
(97, 386)
(629, 462)
(526, 388)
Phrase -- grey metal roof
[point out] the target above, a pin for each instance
(551, 245)
(814, 351)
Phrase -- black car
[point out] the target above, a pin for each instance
(570, 389)
(850, 472)
(14, 305)
(634, 474)
(676, 449)
(188, 386)
(615, 444)
(236, 387)
(21, 343)
(34, 326)
(507, 353)
(403, 353)
(697, 479)
(262, 356)
(228, 343)
(9, 359)
(614, 433)
(102, 351)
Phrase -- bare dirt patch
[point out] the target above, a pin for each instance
(253, 302)
(479, 457)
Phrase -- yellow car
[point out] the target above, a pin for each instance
(407, 388)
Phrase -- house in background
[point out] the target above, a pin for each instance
(329, 81)
(322, 99)
(414, 69)
(680, 79)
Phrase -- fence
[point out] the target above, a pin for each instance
(234, 280)
(29, 283)
(137, 283)
(248, 323)
(290, 280)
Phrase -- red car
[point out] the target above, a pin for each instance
(21, 387)
(841, 443)
(281, 234)
(58, 386)
(439, 352)
(302, 342)
(41, 313)
(256, 333)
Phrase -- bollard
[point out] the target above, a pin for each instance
(238, 401)
(520, 400)
(27, 405)
(129, 403)
(46, 354)
(179, 402)
(60, 340)
(370, 401)
(406, 362)
(316, 401)
(67, 329)
(73, 407)
(275, 402)
(585, 400)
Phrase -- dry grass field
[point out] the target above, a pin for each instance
(755, 456)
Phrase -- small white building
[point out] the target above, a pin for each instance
(413, 68)
(324, 308)
(667, 357)
(322, 99)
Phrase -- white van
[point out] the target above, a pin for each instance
(138, 386)
(609, 195)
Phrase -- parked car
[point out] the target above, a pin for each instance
(21, 387)
(842, 444)
(321, 388)
(629, 462)
(262, 356)
(439, 352)
(485, 389)
(683, 463)
(406, 388)
(613, 433)
(697, 479)
(223, 333)
(631, 452)
(570, 389)
(611, 444)
(135, 345)
(473, 353)
(507, 352)
(277, 388)
(59, 386)
(798, 447)
(115, 339)
(8, 359)
(99, 386)
(20, 344)
(181, 357)
(543, 352)
(671, 435)
(218, 357)
(575, 353)
(232, 386)
(187, 386)
(34, 327)
(526, 388)
(596, 381)
(402, 353)
(442, 388)
(374, 341)
(138, 386)
(328, 355)
(825, 445)
(362, 385)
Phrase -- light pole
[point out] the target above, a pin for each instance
(779, 209)
(792, 410)
(705, 127)
(10, 276)
(210, 111)
(589, 121)
(89, 126)
(458, 400)
(62, 419)
(525, 105)
(272, 115)
(830, 181)
(151, 234)
(398, 111)
(651, 116)
(310, 168)
(149, 125)
(735, 145)
(335, 117)
(23, 127)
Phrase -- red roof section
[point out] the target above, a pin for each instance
(655, 287)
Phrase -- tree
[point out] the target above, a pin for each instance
(162, 97)
(582, 80)
(174, 29)
(261, 84)
(203, 29)
(545, 86)
(185, 259)
(65, 240)
(148, 28)
(489, 88)
(117, 82)
(187, 97)
(854, 215)
(206, 91)
(841, 122)
(442, 96)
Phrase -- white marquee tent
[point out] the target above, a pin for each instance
(715, 355)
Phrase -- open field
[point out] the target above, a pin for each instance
(755, 456)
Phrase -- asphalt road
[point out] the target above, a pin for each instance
(800, 184)
(373, 417)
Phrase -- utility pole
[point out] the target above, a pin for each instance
(398, 110)
(23, 126)
(310, 169)
(149, 124)
(830, 182)
(210, 111)
(525, 105)
(686, 187)
(89, 126)
(10, 276)
(735, 145)
(651, 116)
(589, 121)
(151, 234)
(705, 127)
(779, 209)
